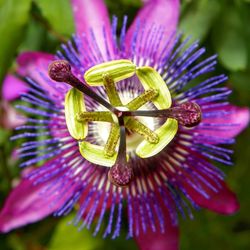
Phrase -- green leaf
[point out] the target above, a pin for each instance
(229, 41)
(240, 81)
(58, 14)
(67, 237)
(241, 87)
(4, 135)
(198, 18)
(232, 50)
(34, 38)
(14, 16)
(123, 7)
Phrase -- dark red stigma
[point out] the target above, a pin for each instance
(189, 114)
(59, 70)
(120, 175)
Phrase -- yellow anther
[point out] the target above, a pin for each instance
(118, 70)
(114, 135)
(74, 104)
(138, 127)
(101, 116)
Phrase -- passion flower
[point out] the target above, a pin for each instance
(117, 127)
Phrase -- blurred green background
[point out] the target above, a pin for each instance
(223, 26)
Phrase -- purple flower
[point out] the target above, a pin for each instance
(169, 166)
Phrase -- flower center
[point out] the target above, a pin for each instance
(123, 119)
(101, 130)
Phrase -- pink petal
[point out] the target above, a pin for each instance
(223, 202)
(162, 14)
(231, 124)
(27, 203)
(35, 65)
(93, 15)
(13, 87)
(10, 118)
(30, 59)
(169, 240)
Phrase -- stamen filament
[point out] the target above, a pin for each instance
(142, 99)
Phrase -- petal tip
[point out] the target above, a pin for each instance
(13, 87)
(244, 116)
(232, 205)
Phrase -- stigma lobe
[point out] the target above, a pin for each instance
(188, 114)
(120, 174)
(59, 70)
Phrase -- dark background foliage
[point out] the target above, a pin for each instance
(222, 26)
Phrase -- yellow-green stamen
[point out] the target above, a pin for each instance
(142, 99)
(138, 127)
(100, 116)
(109, 148)
(111, 92)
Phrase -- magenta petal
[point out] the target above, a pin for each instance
(231, 124)
(13, 87)
(35, 66)
(93, 16)
(10, 118)
(223, 202)
(26, 204)
(28, 60)
(169, 240)
(162, 14)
